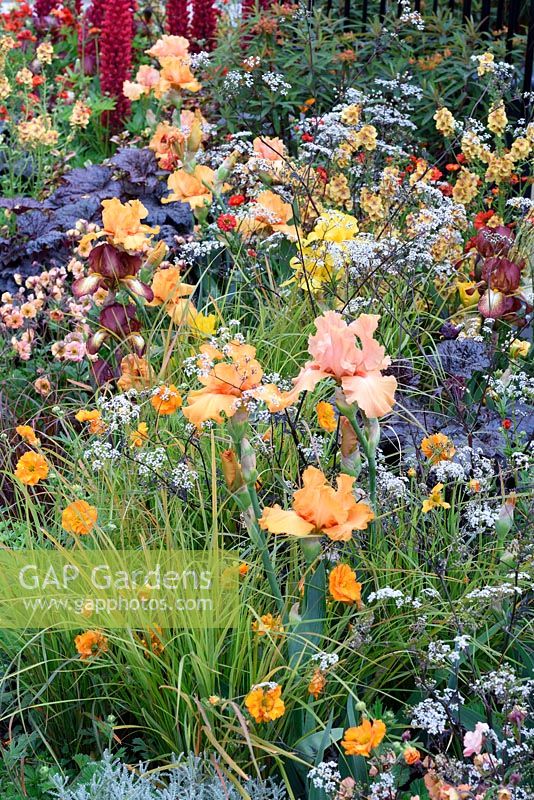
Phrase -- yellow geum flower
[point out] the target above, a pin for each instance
(435, 499)
(519, 348)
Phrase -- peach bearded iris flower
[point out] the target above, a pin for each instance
(319, 509)
(194, 187)
(227, 384)
(170, 291)
(357, 369)
(268, 214)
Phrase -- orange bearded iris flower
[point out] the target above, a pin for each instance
(269, 214)
(359, 741)
(176, 74)
(228, 384)
(357, 369)
(194, 187)
(319, 509)
(169, 290)
(123, 226)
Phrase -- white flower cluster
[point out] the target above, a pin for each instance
(383, 788)
(325, 660)
(191, 251)
(150, 461)
(326, 776)
(276, 83)
(388, 593)
(431, 715)
(235, 80)
(513, 387)
(183, 477)
(99, 453)
(504, 685)
(119, 410)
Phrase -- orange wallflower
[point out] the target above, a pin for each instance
(357, 369)
(359, 741)
(326, 417)
(264, 702)
(227, 384)
(94, 418)
(319, 509)
(437, 447)
(32, 468)
(28, 434)
(79, 517)
(90, 644)
(317, 683)
(166, 400)
(435, 499)
(136, 373)
(195, 188)
(411, 755)
(267, 624)
(343, 585)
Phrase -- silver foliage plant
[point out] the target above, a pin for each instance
(187, 780)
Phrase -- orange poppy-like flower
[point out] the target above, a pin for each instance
(326, 417)
(359, 741)
(317, 683)
(267, 624)
(32, 468)
(136, 373)
(319, 509)
(269, 214)
(195, 188)
(79, 517)
(264, 702)
(28, 434)
(229, 380)
(176, 74)
(42, 386)
(166, 400)
(94, 418)
(357, 369)
(243, 569)
(437, 447)
(343, 585)
(123, 227)
(411, 755)
(90, 644)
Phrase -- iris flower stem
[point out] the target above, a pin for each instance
(369, 449)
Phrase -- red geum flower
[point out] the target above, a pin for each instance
(435, 174)
(322, 173)
(119, 322)
(481, 218)
(236, 200)
(226, 222)
(307, 137)
(501, 274)
(460, 158)
(507, 424)
(446, 189)
(112, 269)
(452, 167)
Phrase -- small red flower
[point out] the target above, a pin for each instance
(452, 167)
(251, 252)
(460, 158)
(446, 189)
(481, 218)
(322, 173)
(226, 222)
(236, 200)
(507, 424)
(307, 137)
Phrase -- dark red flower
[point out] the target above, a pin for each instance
(116, 57)
(493, 241)
(507, 424)
(117, 321)
(203, 25)
(307, 137)
(481, 218)
(501, 274)
(177, 18)
(112, 269)
(322, 173)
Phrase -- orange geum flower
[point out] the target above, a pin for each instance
(326, 417)
(343, 585)
(411, 755)
(28, 434)
(437, 447)
(360, 740)
(91, 644)
(320, 509)
(166, 400)
(32, 468)
(264, 702)
(79, 517)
